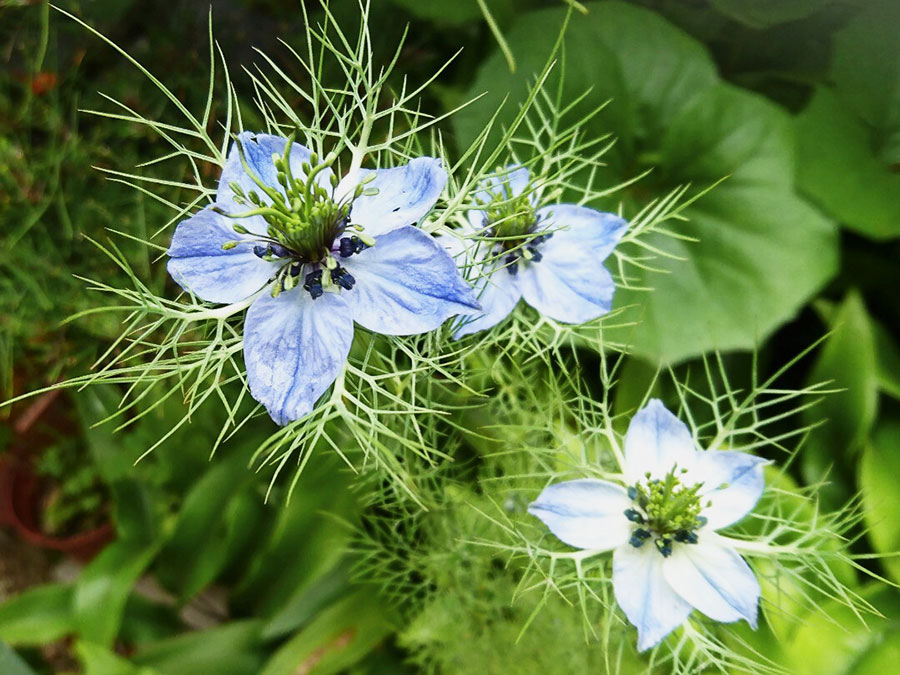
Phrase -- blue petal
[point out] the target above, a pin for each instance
(406, 284)
(200, 265)
(732, 481)
(498, 292)
(258, 151)
(405, 195)
(585, 513)
(570, 283)
(648, 600)
(714, 579)
(294, 348)
(656, 441)
(578, 230)
(508, 184)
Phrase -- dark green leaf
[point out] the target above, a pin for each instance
(764, 13)
(230, 649)
(879, 482)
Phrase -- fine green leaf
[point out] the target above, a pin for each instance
(762, 251)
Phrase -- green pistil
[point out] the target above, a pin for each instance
(511, 221)
(305, 220)
(666, 511)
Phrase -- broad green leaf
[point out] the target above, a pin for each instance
(11, 663)
(848, 361)
(339, 637)
(103, 589)
(764, 13)
(37, 616)
(762, 250)
(99, 660)
(882, 658)
(460, 11)
(866, 73)
(193, 556)
(879, 482)
(888, 361)
(838, 170)
(233, 649)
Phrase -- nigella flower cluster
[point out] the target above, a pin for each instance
(331, 252)
(662, 526)
(321, 253)
(550, 255)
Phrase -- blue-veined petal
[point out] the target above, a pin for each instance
(570, 283)
(498, 292)
(405, 194)
(567, 292)
(294, 348)
(648, 600)
(578, 230)
(585, 513)
(715, 579)
(506, 185)
(406, 284)
(732, 481)
(258, 151)
(656, 441)
(200, 265)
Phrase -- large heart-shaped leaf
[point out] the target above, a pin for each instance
(762, 251)
(849, 137)
(764, 13)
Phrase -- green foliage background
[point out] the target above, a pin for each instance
(795, 103)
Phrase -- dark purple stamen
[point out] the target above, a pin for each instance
(342, 278)
(350, 245)
(313, 284)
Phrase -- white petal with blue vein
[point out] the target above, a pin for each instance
(648, 600)
(200, 265)
(294, 348)
(585, 513)
(405, 194)
(732, 481)
(656, 442)
(406, 284)
(715, 579)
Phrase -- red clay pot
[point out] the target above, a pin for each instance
(20, 489)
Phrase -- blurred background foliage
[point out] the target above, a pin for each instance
(795, 103)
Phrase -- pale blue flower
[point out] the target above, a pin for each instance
(328, 252)
(552, 256)
(667, 557)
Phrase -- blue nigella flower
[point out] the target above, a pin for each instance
(667, 557)
(329, 253)
(551, 255)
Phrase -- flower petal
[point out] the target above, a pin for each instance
(507, 185)
(648, 600)
(656, 441)
(200, 265)
(585, 513)
(732, 481)
(406, 284)
(578, 230)
(258, 151)
(498, 292)
(405, 195)
(570, 284)
(715, 579)
(294, 348)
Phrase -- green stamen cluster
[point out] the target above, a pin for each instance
(666, 511)
(511, 220)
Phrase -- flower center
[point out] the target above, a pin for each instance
(510, 226)
(665, 511)
(303, 225)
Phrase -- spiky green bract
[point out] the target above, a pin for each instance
(476, 547)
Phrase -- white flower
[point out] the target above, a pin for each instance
(667, 557)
